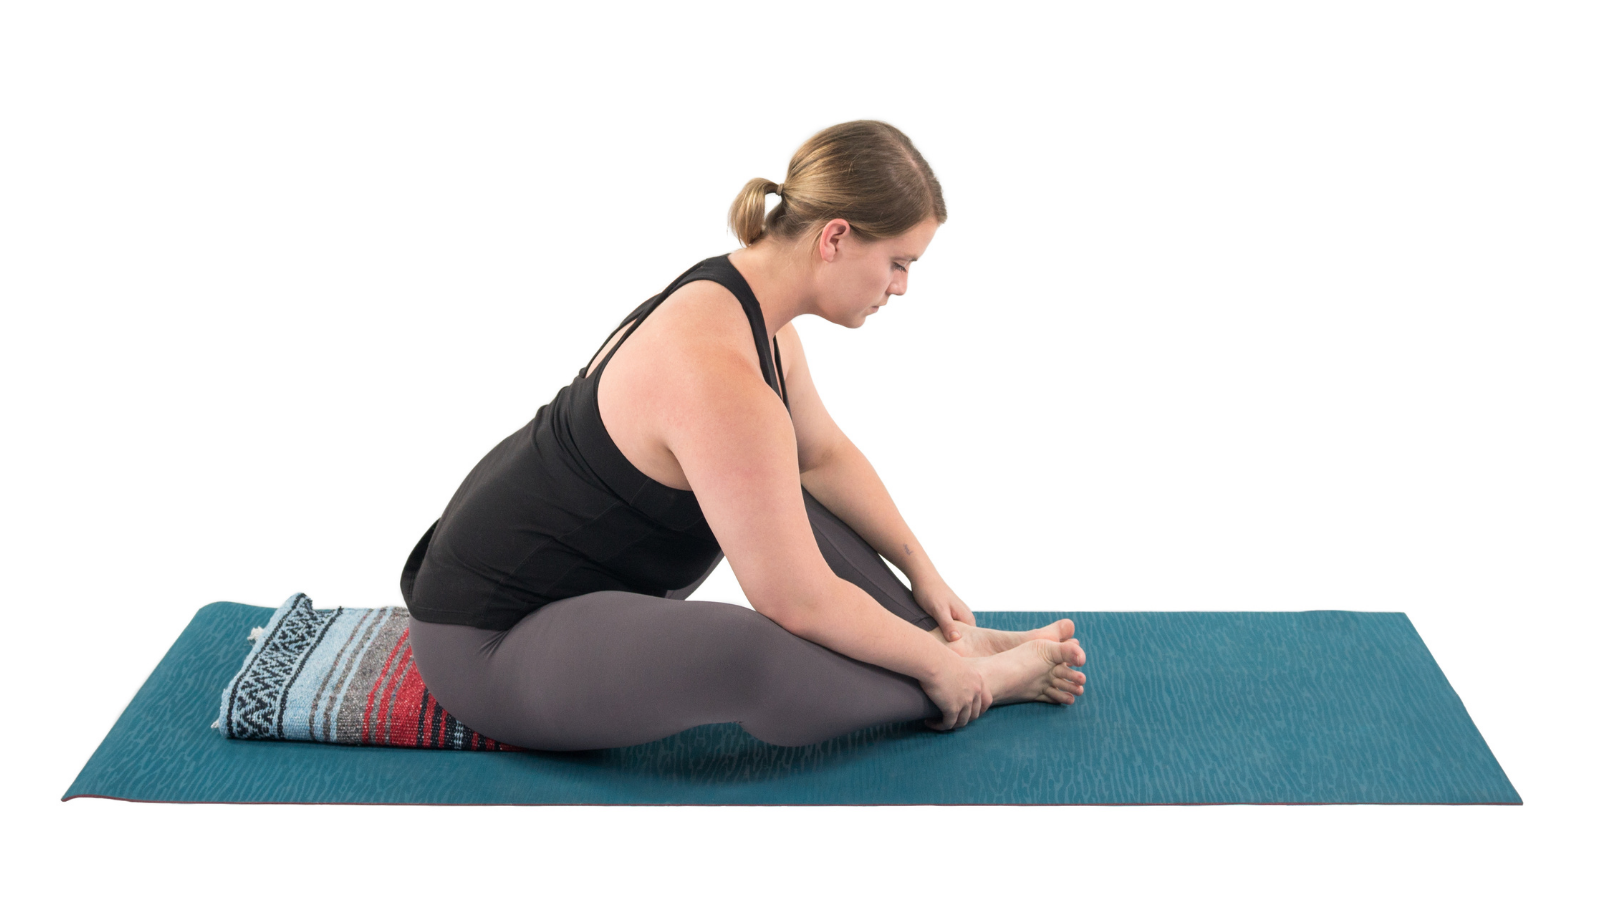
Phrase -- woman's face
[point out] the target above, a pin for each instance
(859, 277)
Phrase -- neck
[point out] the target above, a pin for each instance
(781, 278)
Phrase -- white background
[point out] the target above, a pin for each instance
(1270, 306)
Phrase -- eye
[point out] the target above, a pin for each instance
(900, 267)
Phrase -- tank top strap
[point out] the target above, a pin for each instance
(638, 315)
(722, 271)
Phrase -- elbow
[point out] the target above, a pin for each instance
(822, 457)
(798, 596)
(794, 611)
(783, 610)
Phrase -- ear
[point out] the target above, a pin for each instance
(831, 237)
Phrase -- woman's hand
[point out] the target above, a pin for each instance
(959, 692)
(937, 600)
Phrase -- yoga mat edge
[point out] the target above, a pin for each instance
(1292, 717)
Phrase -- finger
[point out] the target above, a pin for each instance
(946, 627)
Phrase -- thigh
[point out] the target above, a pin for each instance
(614, 669)
(854, 560)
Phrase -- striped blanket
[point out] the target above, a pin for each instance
(339, 676)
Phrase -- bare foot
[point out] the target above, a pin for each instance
(1036, 670)
(977, 641)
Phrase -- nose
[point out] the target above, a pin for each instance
(897, 285)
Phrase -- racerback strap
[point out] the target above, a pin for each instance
(722, 271)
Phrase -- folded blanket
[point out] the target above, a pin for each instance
(339, 676)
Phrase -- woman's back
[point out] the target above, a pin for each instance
(559, 507)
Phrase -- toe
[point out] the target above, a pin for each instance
(1066, 684)
(1058, 652)
(1074, 653)
(1064, 629)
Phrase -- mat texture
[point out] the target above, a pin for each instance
(1312, 707)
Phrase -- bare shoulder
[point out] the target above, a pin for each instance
(714, 409)
(686, 385)
(704, 329)
(705, 309)
(708, 316)
(700, 329)
(696, 343)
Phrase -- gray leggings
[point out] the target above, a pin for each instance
(614, 669)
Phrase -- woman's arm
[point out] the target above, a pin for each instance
(838, 474)
(731, 436)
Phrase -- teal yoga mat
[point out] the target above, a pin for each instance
(1181, 708)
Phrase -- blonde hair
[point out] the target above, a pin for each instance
(865, 172)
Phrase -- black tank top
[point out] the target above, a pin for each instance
(555, 510)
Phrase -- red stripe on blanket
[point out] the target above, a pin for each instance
(382, 680)
(401, 712)
(407, 707)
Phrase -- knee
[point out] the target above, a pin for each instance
(746, 652)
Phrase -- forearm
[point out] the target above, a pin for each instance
(849, 486)
(845, 619)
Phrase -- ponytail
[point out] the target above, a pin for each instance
(749, 210)
(865, 172)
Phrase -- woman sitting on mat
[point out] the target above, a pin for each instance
(548, 600)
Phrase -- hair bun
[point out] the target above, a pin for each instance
(865, 172)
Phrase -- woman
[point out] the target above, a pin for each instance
(547, 601)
